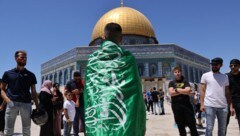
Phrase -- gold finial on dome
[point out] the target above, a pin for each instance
(121, 3)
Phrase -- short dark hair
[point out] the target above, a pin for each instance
(76, 74)
(67, 92)
(20, 51)
(55, 84)
(235, 61)
(154, 88)
(112, 31)
(0, 80)
(217, 60)
(177, 68)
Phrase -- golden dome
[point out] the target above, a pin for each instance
(131, 21)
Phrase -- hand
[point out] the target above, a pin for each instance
(8, 100)
(70, 124)
(54, 99)
(81, 91)
(10, 104)
(1, 108)
(202, 108)
(75, 91)
(176, 90)
(232, 111)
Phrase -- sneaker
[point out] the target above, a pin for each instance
(162, 114)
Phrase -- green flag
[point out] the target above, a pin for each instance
(113, 100)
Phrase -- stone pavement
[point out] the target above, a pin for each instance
(157, 125)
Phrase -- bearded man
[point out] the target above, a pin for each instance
(215, 97)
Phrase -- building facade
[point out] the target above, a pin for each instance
(155, 61)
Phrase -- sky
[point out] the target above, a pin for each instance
(48, 28)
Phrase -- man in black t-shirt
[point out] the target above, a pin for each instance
(234, 87)
(155, 96)
(16, 86)
(179, 90)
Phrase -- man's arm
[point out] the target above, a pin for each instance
(185, 91)
(67, 117)
(172, 92)
(3, 93)
(162, 95)
(34, 95)
(202, 96)
(229, 100)
(2, 105)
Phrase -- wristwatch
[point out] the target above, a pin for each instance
(176, 90)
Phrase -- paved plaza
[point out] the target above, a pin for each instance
(157, 125)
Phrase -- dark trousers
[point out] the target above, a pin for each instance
(162, 106)
(2, 119)
(150, 105)
(237, 110)
(197, 110)
(184, 116)
(79, 115)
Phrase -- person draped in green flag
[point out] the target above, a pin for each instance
(113, 100)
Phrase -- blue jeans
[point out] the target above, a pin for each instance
(162, 106)
(13, 109)
(155, 105)
(221, 114)
(66, 128)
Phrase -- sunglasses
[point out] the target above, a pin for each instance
(233, 65)
(214, 64)
(23, 57)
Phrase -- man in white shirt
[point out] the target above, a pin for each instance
(215, 97)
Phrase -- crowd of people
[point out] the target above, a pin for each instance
(16, 99)
(154, 99)
(110, 100)
(111, 111)
(219, 97)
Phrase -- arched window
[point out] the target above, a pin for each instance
(191, 75)
(140, 69)
(71, 70)
(153, 69)
(166, 70)
(60, 78)
(65, 77)
(186, 72)
(55, 77)
(51, 77)
(196, 76)
(42, 79)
